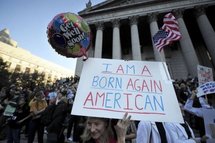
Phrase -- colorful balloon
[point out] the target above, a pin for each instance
(69, 34)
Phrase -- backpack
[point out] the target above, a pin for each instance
(46, 116)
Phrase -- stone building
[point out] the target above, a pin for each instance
(123, 29)
(22, 61)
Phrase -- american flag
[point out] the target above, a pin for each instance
(168, 33)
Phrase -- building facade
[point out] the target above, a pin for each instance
(22, 61)
(123, 29)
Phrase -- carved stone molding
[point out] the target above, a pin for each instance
(200, 10)
(178, 13)
(99, 25)
(116, 22)
(152, 17)
(133, 20)
(124, 13)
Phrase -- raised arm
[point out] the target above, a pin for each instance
(204, 103)
(121, 128)
(189, 106)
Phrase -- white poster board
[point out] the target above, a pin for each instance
(206, 88)
(209, 118)
(205, 74)
(109, 88)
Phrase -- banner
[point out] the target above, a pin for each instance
(206, 88)
(109, 88)
(205, 74)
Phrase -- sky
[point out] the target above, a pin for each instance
(27, 21)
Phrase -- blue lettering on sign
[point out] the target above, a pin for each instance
(107, 82)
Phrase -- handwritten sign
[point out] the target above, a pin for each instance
(206, 88)
(205, 74)
(109, 88)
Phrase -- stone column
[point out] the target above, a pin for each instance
(12, 67)
(116, 51)
(135, 42)
(99, 38)
(206, 30)
(32, 67)
(187, 45)
(23, 67)
(159, 56)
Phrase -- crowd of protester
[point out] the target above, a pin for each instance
(47, 110)
(23, 110)
(186, 90)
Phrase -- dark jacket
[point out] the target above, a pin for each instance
(58, 117)
(20, 113)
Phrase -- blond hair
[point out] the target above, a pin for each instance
(108, 133)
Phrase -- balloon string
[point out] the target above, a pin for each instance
(84, 54)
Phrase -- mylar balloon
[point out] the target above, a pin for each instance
(69, 35)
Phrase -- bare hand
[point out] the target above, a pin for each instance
(204, 138)
(193, 95)
(121, 128)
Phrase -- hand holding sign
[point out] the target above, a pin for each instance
(69, 35)
(206, 88)
(121, 127)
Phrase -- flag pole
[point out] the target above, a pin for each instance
(168, 33)
(164, 65)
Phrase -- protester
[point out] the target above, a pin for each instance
(197, 111)
(70, 119)
(37, 106)
(14, 121)
(181, 133)
(78, 128)
(69, 128)
(56, 127)
(183, 92)
(8, 95)
(46, 115)
(152, 132)
(51, 95)
(100, 130)
(2, 98)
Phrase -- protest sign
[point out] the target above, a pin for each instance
(9, 110)
(206, 88)
(205, 74)
(109, 88)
